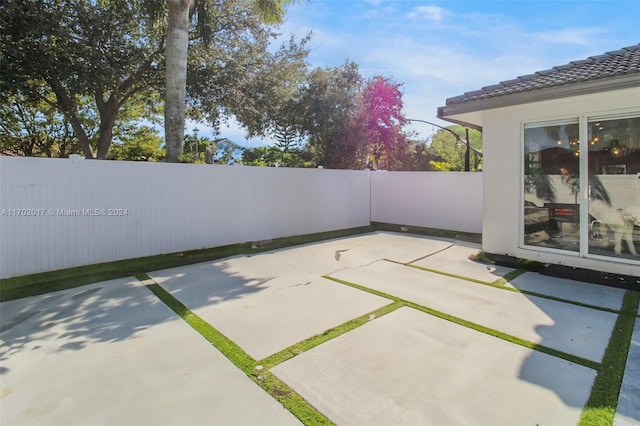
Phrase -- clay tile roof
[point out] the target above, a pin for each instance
(611, 64)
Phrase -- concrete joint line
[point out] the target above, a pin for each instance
(429, 255)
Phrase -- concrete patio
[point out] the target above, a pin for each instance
(113, 353)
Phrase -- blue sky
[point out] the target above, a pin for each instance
(442, 49)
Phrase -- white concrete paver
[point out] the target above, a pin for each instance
(112, 354)
(577, 291)
(410, 368)
(573, 329)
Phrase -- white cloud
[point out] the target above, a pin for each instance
(578, 36)
(431, 13)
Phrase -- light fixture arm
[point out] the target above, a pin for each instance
(468, 145)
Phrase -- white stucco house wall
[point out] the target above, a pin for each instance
(561, 157)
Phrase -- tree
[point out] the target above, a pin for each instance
(287, 133)
(287, 117)
(448, 151)
(224, 154)
(244, 78)
(263, 156)
(329, 102)
(271, 11)
(416, 157)
(271, 156)
(284, 120)
(34, 128)
(64, 53)
(379, 116)
(100, 63)
(176, 76)
(141, 144)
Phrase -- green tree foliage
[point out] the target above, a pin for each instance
(263, 156)
(272, 156)
(140, 144)
(353, 124)
(416, 157)
(225, 155)
(100, 64)
(106, 51)
(448, 152)
(285, 120)
(34, 128)
(248, 81)
(329, 103)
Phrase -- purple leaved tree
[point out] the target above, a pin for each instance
(380, 119)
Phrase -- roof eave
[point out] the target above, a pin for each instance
(582, 88)
(463, 123)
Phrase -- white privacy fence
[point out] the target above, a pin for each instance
(60, 213)
(451, 200)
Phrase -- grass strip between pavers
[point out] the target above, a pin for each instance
(275, 387)
(500, 284)
(601, 406)
(332, 333)
(477, 327)
(509, 276)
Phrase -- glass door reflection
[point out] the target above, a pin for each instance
(552, 185)
(614, 187)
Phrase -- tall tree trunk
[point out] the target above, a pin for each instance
(176, 76)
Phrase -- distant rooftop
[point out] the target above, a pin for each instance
(226, 143)
(588, 75)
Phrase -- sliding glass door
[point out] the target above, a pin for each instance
(551, 185)
(614, 186)
(596, 213)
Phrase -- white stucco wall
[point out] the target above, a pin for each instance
(503, 169)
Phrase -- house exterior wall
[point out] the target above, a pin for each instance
(48, 207)
(503, 172)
